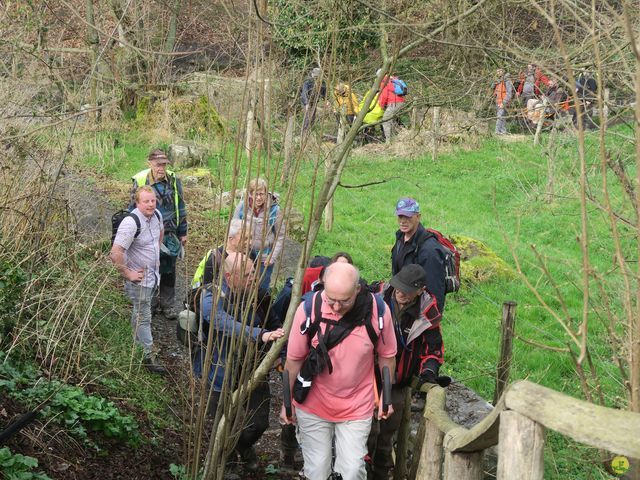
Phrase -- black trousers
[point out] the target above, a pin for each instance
(257, 416)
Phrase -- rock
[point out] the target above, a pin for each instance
(197, 176)
(295, 225)
(223, 200)
(478, 262)
(188, 154)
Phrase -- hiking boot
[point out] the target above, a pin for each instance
(150, 362)
(250, 460)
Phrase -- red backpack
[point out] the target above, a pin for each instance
(451, 262)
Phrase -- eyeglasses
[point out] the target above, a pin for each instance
(344, 303)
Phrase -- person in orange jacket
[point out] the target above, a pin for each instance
(503, 91)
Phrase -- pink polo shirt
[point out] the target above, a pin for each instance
(347, 393)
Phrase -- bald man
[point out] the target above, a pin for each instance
(230, 323)
(340, 403)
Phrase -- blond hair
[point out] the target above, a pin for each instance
(257, 184)
(144, 188)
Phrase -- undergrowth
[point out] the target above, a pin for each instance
(15, 466)
(67, 405)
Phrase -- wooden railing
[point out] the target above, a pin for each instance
(445, 450)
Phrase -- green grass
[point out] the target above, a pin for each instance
(495, 194)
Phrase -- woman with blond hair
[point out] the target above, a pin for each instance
(262, 213)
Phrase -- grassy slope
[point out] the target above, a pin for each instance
(490, 194)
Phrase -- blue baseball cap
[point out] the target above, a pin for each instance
(408, 207)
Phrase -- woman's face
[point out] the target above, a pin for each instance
(259, 197)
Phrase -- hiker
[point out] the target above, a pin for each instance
(339, 400)
(503, 91)
(346, 102)
(238, 240)
(137, 258)
(207, 272)
(414, 244)
(310, 94)
(342, 257)
(529, 83)
(170, 202)
(233, 322)
(416, 321)
(586, 88)
(370, 126)
(391, 100)
(261, 211)
(556, 98)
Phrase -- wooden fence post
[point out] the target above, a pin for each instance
(536, 137)
(429, 463)
(506, 347)
(288, 147)
(435, 133)
(400, 469)
(463, 466)
(520, 448)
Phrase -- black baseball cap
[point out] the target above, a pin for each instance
(410, 279)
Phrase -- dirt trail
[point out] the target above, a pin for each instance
(93, 213)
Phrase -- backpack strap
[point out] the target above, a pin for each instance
(308, 304)
(137, 220)
(313, 317)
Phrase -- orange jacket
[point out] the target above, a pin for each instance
(503, 92)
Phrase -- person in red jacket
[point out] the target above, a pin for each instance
(529, 83)
(391, 104)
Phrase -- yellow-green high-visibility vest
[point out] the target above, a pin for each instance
(198, 276)
(142, 178)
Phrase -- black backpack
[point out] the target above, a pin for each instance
(318, 358)
(119, 216)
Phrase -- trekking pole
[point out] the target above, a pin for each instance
(386, 390)
(286, 393)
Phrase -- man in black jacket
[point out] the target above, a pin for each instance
(416, 321)
(414, 244)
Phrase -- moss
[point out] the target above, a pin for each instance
(143, 109)
(208, 116)
(479, 263)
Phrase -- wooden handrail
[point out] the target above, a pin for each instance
(614, 430)
(600, 427)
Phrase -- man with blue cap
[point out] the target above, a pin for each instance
(414, 244)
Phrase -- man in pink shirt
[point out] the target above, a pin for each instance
(341, 400)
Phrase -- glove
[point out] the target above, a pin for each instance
(429, 376)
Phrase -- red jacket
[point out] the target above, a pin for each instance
(539, 78)
(386, 95)
(311, 275)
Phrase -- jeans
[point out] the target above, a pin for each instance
(316, 436)
(141, 314)
(256, 418)
(501, 121)
(380, 441)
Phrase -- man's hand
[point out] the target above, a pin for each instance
(284, 420)
(134, 276)
(273, 335)
(382, 415)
